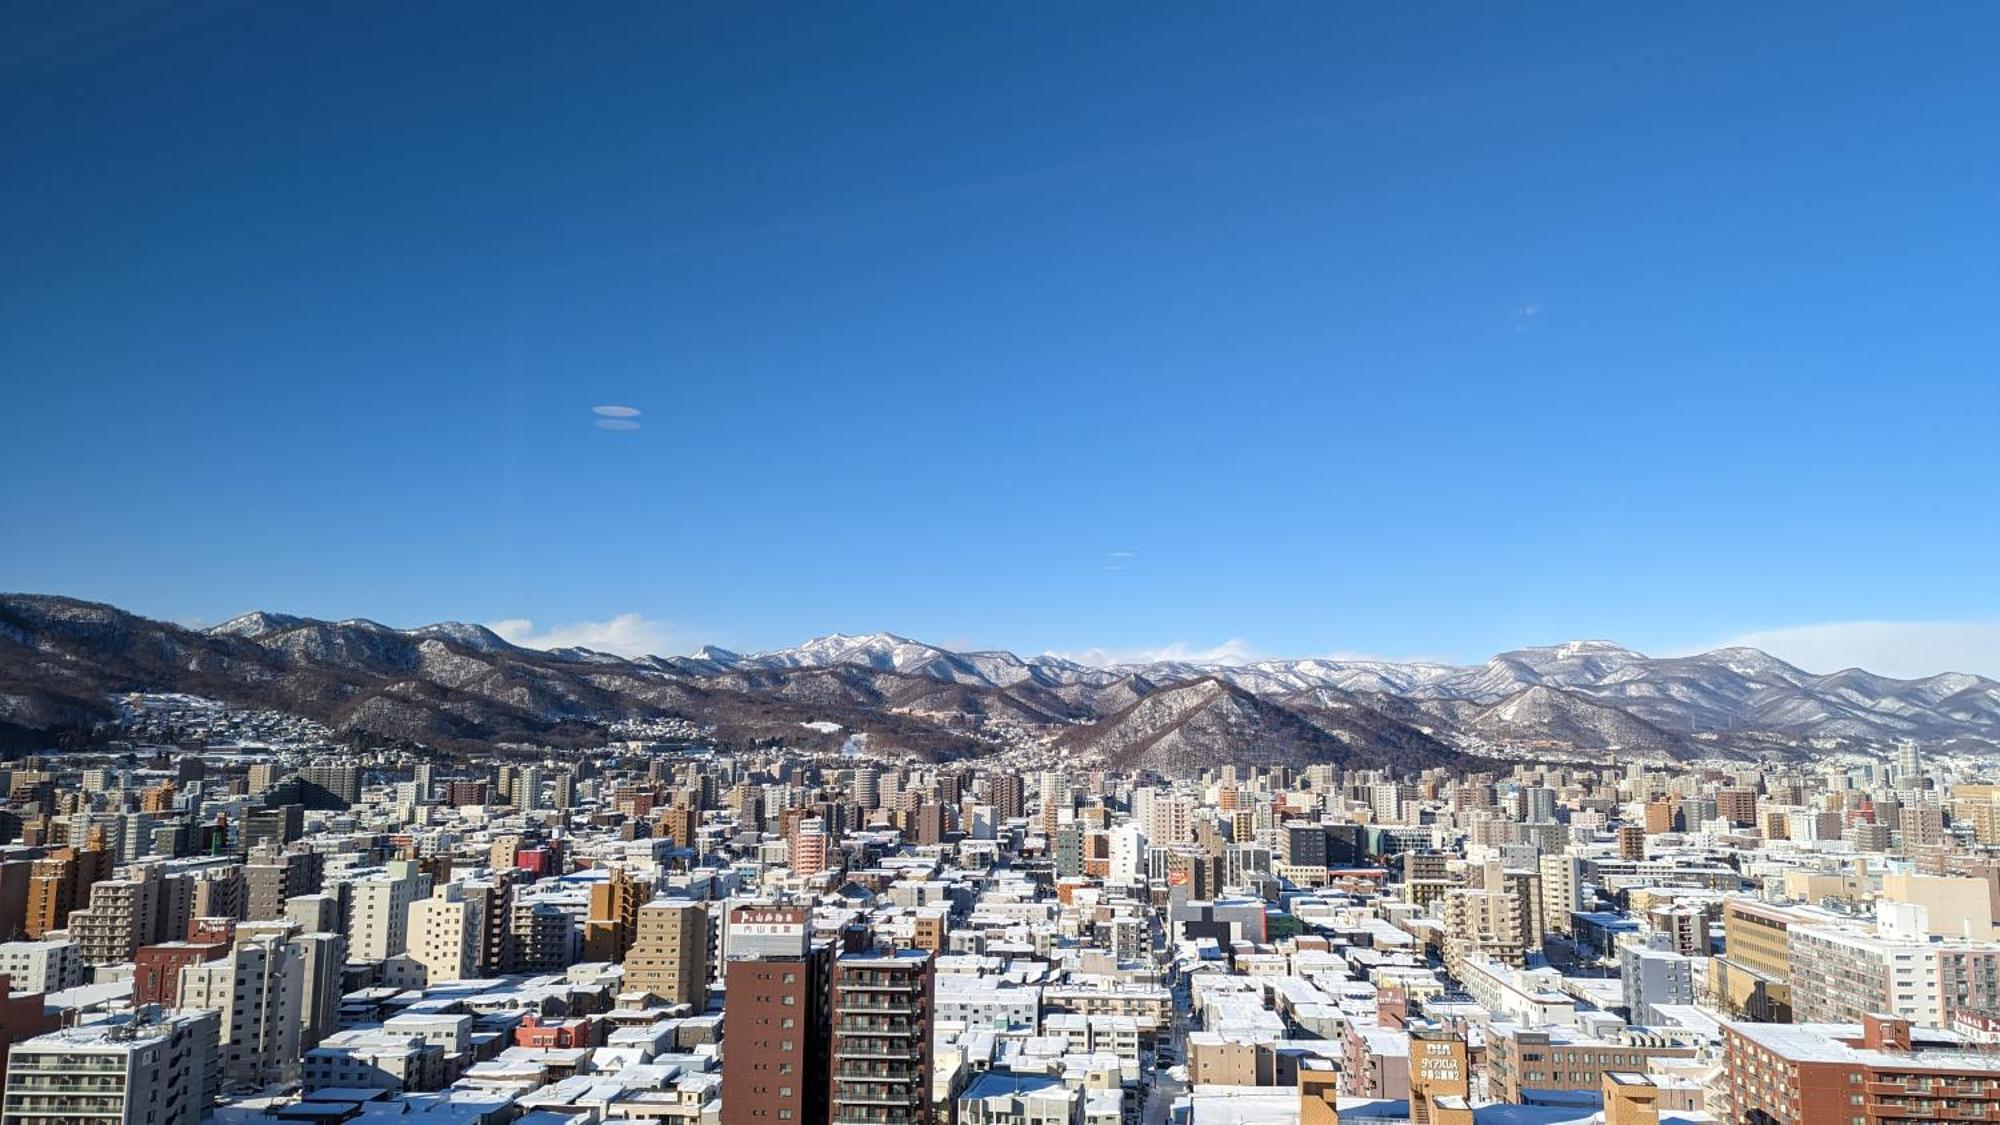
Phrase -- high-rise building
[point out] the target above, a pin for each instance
(493, 899)
(1005, 792)
(132, 1069)
(379, 918)
(123, 915)
(810, 846)
(1909, 765)
(445, 932)
(614, 915)
(868, 788)
(271, 878)
(261, 776)
(60, 883)
(669, 956)
(322, 957)
(542, 936)
(1659, 817)
(258, 989)
(776, 1066)
(1054, 800)
(1738, 805)
(330, 785)
(882, 1022)
(527, 791)
(682, 825)
(1562, 891)
(1654, 974)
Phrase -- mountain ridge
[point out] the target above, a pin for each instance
(456, 683)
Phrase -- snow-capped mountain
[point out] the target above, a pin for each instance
(456, 684)
(1730, 692)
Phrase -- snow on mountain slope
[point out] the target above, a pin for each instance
(459, 679)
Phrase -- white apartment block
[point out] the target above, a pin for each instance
(378, 924)
(50, 965)
(259, 989)
(122, 1072)
(444, 934)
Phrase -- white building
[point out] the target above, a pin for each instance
(50, 965)
(378, 924)
(126, 1071)
(444, 934)
(259, 989)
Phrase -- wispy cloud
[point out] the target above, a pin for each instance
(616, 417)
(628, 634)
(1232, 651)
(1903, 649)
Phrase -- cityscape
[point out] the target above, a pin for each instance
(884, 563)
(229, 914)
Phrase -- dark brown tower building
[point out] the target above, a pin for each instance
(1006, 793)
(882, 1005)
(774, 1051)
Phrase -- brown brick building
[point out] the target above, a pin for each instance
(1874, 1073)
(776, 1029)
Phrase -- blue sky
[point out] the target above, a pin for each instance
(1312, 329)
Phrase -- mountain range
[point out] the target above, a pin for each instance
(457, 685)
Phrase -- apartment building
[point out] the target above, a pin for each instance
(48, 965)
(669, 956)
(1521, 1059)
(1841, 973)
(122, 916)
(259, 990)
(444, 934)
(378, 924)
(882, 1039)
(129, 1070)
(1874, 1072)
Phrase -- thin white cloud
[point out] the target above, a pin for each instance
(1232, 651)
(628, 634)
(615, 411)
(1902, 649)
(1121, 554)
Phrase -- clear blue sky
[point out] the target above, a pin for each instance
(1325, 328)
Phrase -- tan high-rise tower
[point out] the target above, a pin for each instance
(614, 916)
(669, 956)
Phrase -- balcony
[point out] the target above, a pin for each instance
(877, 1051)
(898, 1069)
(858, 1116)
(886, 1100)
(899, 1029)
(880, 1009)
(893, 984)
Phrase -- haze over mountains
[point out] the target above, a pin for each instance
(454, 684)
